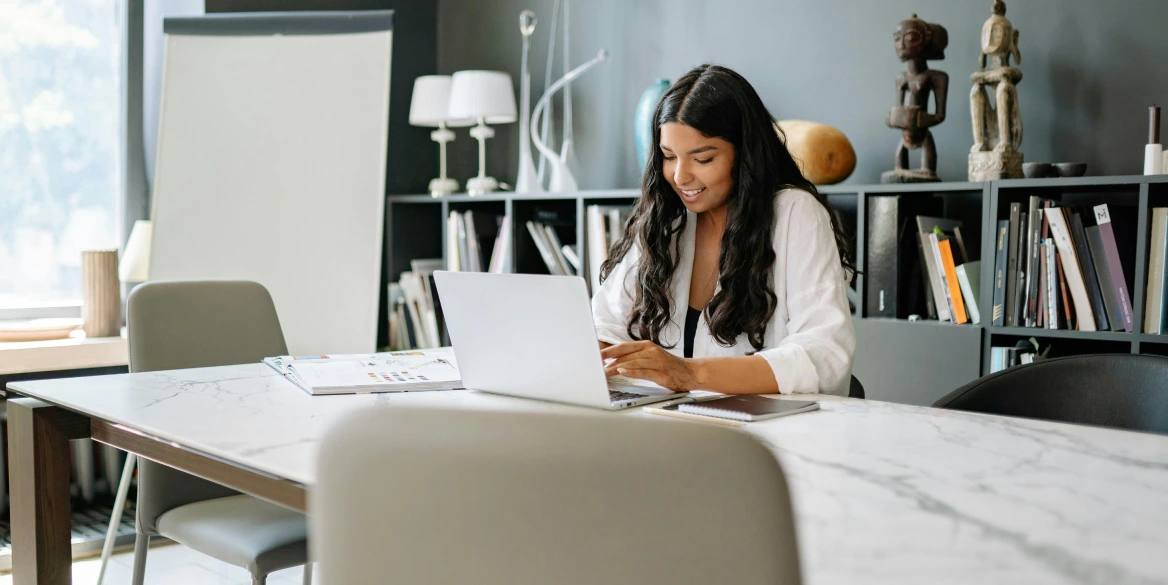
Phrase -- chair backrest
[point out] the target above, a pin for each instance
(449, 496)
(200, 323)
(855, 389)
(1111, 390)
(193, 324)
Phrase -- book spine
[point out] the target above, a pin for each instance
(1020, 267)
(1052, 297)
(1034, 228)
(597, 245)
(968, 289)
(1084, 319)
(1111, 253)
(472, 243)
(1012, 264)
(1156, 247)
(883, 260)
(464, 259)
(936, 285)
(1090, 279)
(943, 285)
(959, 315)
(1064, 299)
(999, 315)
(452, 260)
(1040, 319)
(1106, 288)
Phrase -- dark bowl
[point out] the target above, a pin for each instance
(1071, 169)
(1037, 170)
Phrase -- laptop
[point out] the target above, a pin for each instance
(532, 336)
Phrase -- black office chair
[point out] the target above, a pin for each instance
(856, 389)
(1111, 390)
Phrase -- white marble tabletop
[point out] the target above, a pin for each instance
(883, 493)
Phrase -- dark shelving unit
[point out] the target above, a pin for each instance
(943, 355)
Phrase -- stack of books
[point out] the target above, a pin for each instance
(466, 234)
(414, 311)
(1059, 268)
(560, 259)
(1155, 310)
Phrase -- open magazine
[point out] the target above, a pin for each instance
(398, 371)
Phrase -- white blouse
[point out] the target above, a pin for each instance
(809, 342)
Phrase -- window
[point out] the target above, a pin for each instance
(59, 127)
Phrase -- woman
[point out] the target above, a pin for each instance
(732, 273)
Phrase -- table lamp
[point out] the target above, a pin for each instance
(428, 108)
(489, 98)
(135, 264)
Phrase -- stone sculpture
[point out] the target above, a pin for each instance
(993, 103)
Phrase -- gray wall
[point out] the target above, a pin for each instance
(1091, 70)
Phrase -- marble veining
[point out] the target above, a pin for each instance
(883, 493)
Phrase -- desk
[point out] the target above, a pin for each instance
(882, 493)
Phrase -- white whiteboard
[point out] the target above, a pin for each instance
(271, 167)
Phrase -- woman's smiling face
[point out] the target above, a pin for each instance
(699, 168)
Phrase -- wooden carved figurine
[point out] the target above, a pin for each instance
(918, 42)
(993, 102)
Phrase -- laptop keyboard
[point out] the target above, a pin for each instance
(617, 395)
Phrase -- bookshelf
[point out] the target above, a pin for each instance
(944, 355)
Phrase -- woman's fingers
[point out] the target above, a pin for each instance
(620, 349)
(654, 376)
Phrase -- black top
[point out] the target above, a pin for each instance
(691, 329)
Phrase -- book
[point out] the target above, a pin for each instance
(1084, 318)
(1033, 229)
(1064, 300)
(402, 371)
(998, 310)
(501, 252)
(748, 408)
(1052, 288)
(597, 248)
(1114, 266)
(1106, 287)
(570, 255)
(1157, 252)
(946, 252)
(1087, 265)
(474, 253)
(1020, 268)
(1012, 264)
(465, 261)
(452, 260)
(969, 277)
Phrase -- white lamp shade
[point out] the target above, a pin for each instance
(431, 102)
(135, 265)
(482, 94)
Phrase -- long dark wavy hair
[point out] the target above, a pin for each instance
(719, 103)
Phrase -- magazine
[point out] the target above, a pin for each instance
(399, 371)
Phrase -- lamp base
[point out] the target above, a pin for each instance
(481, 185)
(443, 186)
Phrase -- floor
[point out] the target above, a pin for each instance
(172, 564)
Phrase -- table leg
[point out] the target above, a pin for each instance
(39, 435)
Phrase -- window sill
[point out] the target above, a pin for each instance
(73, 353)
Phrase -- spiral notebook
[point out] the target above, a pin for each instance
(748, 408)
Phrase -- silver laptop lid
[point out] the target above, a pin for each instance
(525, 335)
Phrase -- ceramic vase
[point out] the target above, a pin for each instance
(643, 119)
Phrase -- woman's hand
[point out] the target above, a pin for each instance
(646, 360)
